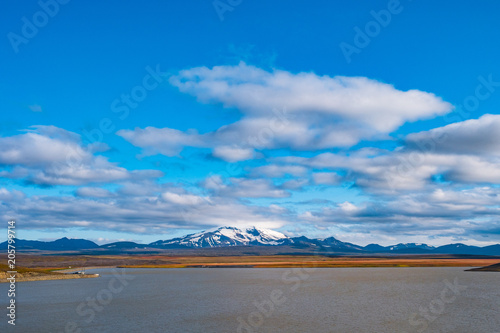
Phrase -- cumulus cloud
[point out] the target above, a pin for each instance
(184, 199)
(151, 214)
(382, 172)
(257, 91)
(233, 154)
(166, 141)
(445, 191)
(93, 192)
(41, 146)
(326, 178)
(280, 109)
(10, 195)
(245, 188)
(403, 170)
(472, 137)
(47, 155)
(437, 183)
(452, 213)
(278, 171)
(295, 184)
(477, 196)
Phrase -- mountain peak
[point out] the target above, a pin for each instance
(228, 236)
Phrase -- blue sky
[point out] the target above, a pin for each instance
(373, 121)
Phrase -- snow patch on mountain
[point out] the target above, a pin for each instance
(228, 236)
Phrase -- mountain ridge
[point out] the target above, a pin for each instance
(225, 237)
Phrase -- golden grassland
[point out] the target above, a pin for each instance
(47, 267)
(49, 263)
(310, 261)
(36, 274)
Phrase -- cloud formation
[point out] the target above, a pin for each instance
(480, 137)
(452, 214)
(255, 91)
(47, 155)
(294, 139)
(245, 188)
(155, 213)
(427, 158)
(280, 109)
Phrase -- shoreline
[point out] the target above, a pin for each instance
(35, 276)
(52, 268)
(79, 269)
(491, 268)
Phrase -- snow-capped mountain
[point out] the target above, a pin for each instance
(332, 242)
(227, 236)
(400, 248)
(230, 237)
(405, 246)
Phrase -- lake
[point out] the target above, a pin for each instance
(261, 300)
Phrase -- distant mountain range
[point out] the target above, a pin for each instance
(63, 244)
(225, 237)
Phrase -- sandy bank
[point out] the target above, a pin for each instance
(491, 268)
(36, 276)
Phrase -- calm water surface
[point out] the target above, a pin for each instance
(262, 300)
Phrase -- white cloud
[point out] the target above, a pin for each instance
(472, 137)
(280, 109)
(461, 214)
(173, 209)
(294, 184)
(48, 155)
(278, 171)
(93, 192)
(233, 154)
(184, 199)
(214, 183)
(166, 141)
(326, 178)
(253, 188)
(10, 195)
(403, 170)
(244, 188)
(40, 147)
(257, 91)
(348, 207)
